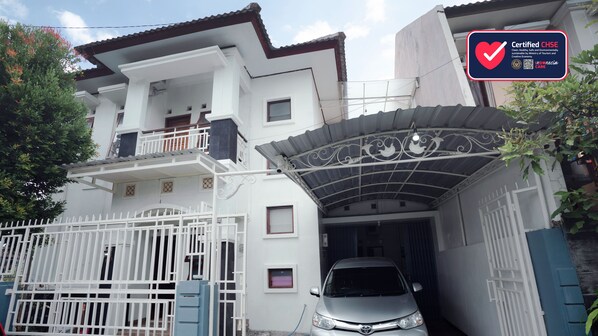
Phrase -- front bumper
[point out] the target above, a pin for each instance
(417, 331)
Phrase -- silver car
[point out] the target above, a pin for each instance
(367, 296)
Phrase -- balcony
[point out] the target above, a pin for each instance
(173, 139)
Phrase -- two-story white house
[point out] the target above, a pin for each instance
(222, 158)
(169, 108)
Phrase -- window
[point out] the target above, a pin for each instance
(120, 116)
(482, 93)
(364, 281)
(280, 220)
(280, 278)
(279, 110)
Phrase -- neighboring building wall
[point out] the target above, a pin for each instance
(270, 310)
(425, 49)
(574, 20)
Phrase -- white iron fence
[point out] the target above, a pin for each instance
(177, 139)
(512, 284)
(118, 276)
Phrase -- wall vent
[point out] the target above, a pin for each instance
(208, 183)
(130, 190)
(167, 187)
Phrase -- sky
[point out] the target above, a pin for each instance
(370, 25)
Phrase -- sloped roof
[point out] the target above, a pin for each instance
(249, 14)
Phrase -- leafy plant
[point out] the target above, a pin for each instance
(576, 205)
(592, 316)
(567, 112)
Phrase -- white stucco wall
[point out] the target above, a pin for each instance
(425, 49)
(187, 193)
(104, 122)
(382, 207)
(281, 311)
(177, 98)
(463, 292)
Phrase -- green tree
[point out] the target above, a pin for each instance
(42, 125)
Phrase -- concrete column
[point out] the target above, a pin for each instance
(223, 140)
(136, 105)
(225, 119)
(226, 88)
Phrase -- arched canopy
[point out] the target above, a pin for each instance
(377, 156)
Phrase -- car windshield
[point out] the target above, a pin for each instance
(366, 281)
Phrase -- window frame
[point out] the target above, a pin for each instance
(270, 267)
(269, 102)
(293, 233)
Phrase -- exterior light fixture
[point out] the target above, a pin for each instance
(415, 136)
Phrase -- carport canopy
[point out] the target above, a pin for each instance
(422, 154)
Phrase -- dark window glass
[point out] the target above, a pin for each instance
(279, 110)
(366, 281)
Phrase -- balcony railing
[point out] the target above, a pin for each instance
(173, 139)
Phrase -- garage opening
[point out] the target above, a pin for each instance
(444, 161)
(408, 243)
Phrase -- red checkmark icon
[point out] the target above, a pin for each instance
(490, 55)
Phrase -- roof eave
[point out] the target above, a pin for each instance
(249, 14)
(488, 6)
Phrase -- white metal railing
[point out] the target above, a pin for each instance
(118, 276)
(174, 139)
(361, 98)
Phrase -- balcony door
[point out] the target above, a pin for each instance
(176, 133)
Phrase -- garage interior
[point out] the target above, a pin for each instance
(408, 243)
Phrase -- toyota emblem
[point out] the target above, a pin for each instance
(365, 329)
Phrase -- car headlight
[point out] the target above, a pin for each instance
(414, 320)
(322, 322)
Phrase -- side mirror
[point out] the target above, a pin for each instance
(315, 291)
(417, 287)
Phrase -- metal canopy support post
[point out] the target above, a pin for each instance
(213, 329)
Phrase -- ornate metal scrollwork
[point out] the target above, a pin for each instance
(401, 145)
(232, 185)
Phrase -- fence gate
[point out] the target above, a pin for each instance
(118, 276)
(511, 285)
